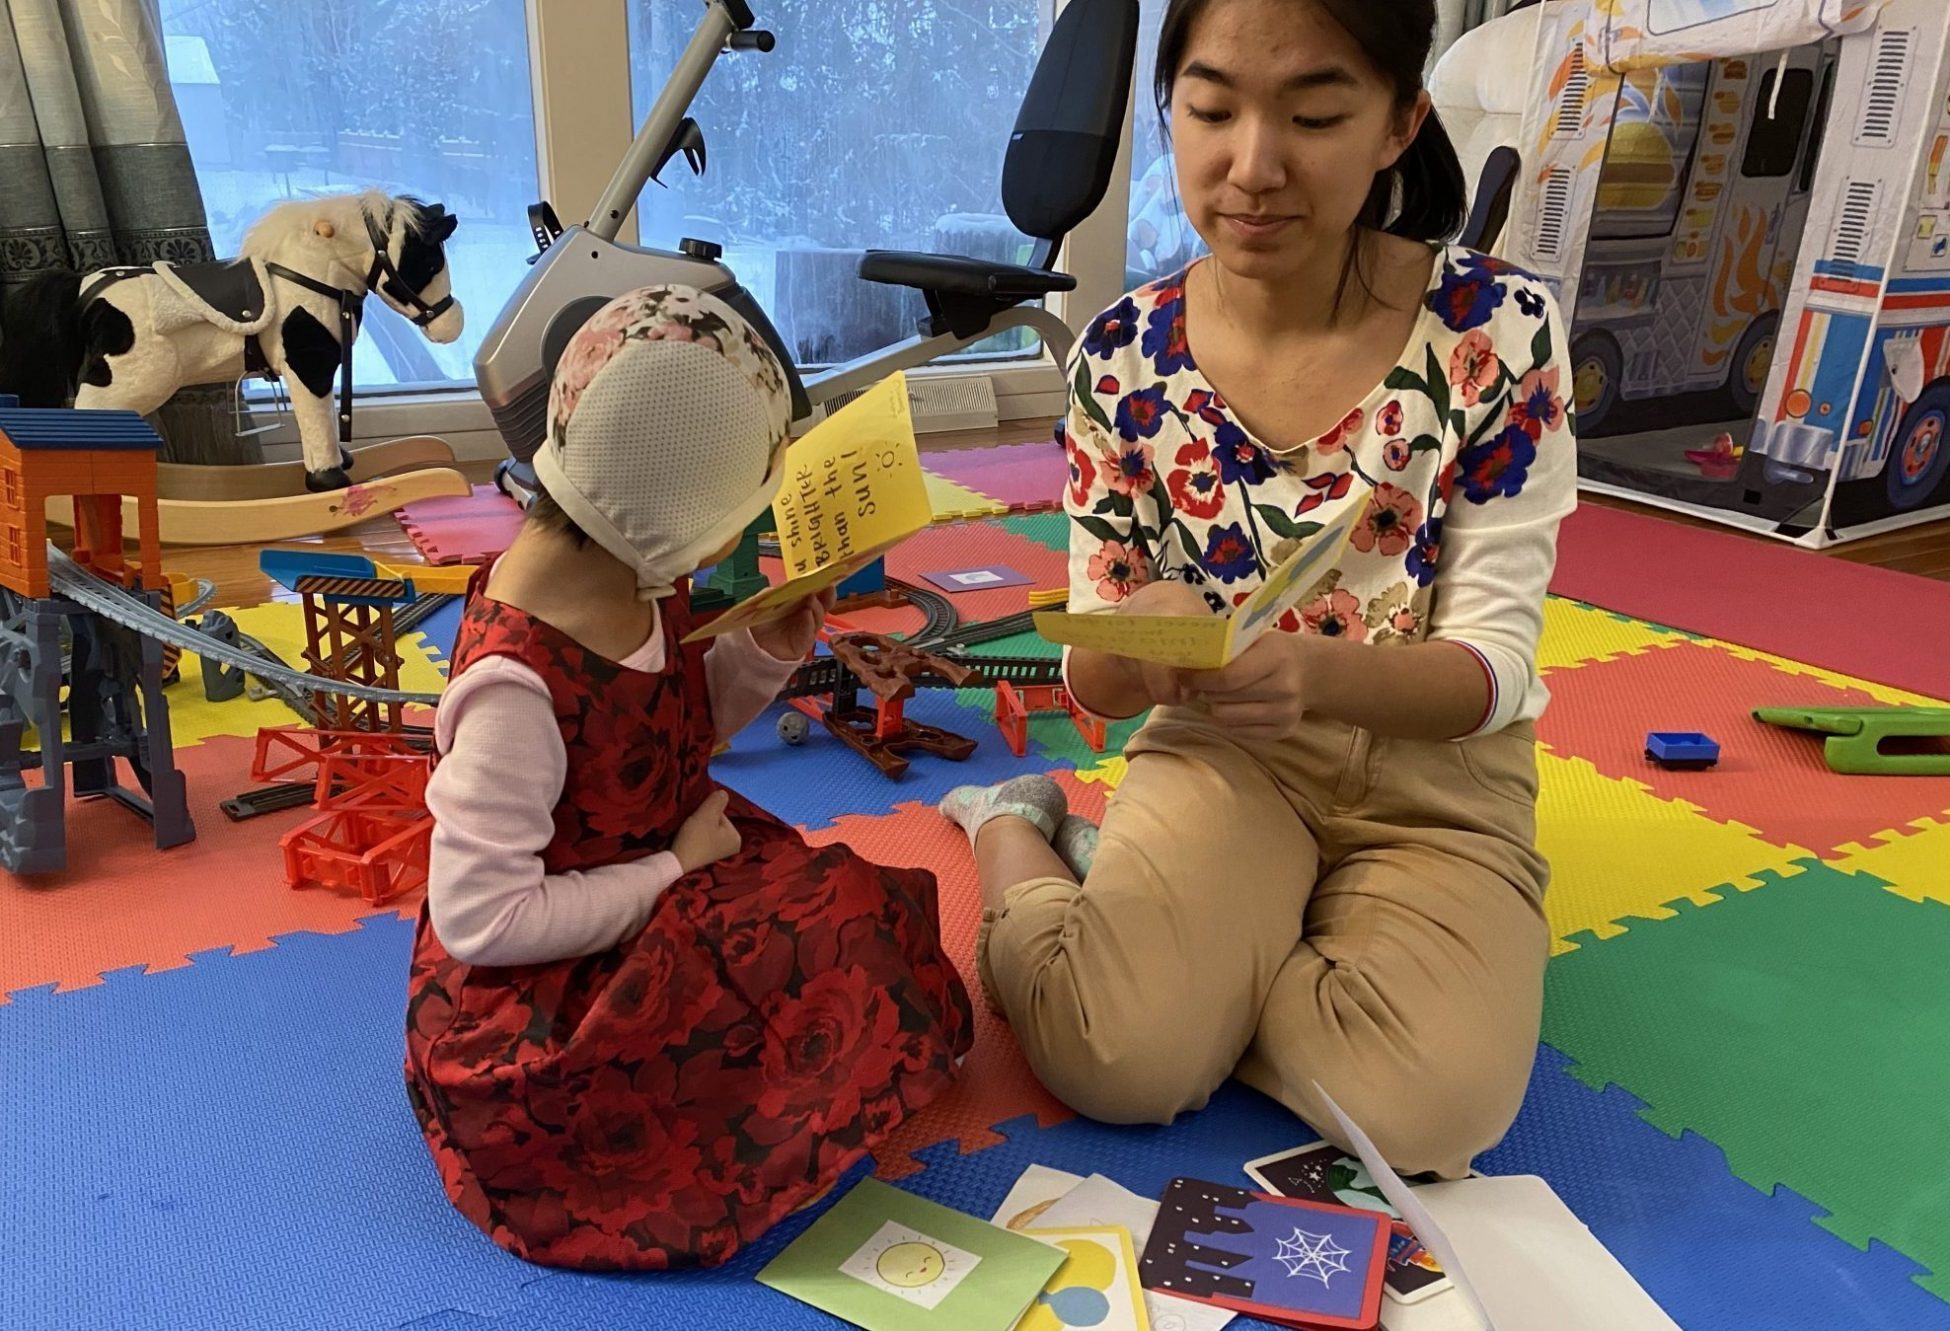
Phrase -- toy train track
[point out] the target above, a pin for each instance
(258, 687)
(825, 675)
(74, 583)
(268, 799)
(992, 630)
(1024, 672)
(940, 611)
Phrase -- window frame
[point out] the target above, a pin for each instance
(579, 70)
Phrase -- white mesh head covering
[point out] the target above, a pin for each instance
(667, 431)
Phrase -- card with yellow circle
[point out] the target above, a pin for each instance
(887, 1260)
(1096, 1287)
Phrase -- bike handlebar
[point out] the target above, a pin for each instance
(724, 22)
(759, 40)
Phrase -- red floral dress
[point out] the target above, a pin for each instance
(665, 1103)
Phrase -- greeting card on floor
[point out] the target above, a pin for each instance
(1273, 1257)
(1098, 1200)
(1095, 1288)
(887, 1260)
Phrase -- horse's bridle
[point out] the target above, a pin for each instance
(352, 307)
(382, 270)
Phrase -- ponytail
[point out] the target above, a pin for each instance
(1425, 196)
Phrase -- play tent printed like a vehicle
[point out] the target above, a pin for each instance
(1745, 207)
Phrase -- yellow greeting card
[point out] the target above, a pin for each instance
(1210, 642)
(854, 489)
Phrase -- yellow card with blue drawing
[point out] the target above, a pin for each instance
(1211, 642)
(854, 489)
(1097, 1286)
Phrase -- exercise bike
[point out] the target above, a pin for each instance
(1055, 172)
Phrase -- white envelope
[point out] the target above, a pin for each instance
(1037, 1186)
(1515, 1252)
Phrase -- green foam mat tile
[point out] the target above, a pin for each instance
(1050, 529)
(1804, 1029)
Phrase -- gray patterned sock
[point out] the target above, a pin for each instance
(1075, 843)
(1036, 799)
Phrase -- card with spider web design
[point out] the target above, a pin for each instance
(1283, 1259)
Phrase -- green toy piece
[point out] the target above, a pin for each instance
(739, 577)
(1857, 735)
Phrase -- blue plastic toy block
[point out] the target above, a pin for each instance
(1682, 750)
(34, 429)
(869, 581)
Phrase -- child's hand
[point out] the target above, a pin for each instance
(792, 637)
(707, 836)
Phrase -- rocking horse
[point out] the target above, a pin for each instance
(288, 307)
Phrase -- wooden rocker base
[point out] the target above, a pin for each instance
(282, 480)
(283, 518)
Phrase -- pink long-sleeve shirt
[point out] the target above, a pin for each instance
(493, 796)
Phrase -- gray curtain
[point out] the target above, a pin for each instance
(94, 170)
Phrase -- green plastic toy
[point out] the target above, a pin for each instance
(1857, 734)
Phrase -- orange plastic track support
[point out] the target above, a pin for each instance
(378, 855)
(1013, 707)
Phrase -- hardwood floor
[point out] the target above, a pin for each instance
(1919, 550)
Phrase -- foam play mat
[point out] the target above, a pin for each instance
(1743, 1086)
(963, 485)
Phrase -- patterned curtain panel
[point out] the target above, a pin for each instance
(94, 170)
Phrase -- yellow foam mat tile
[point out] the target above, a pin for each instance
(1619, 853)
(1915, 863)
(281, 627)
(1576, 634)
(1109, 773)
(1882, 693)
(953, 502)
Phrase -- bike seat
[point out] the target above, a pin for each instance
(953, 274)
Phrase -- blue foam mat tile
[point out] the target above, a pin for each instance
(1238, 1126)
(1718, 1255)
(1715, 1252)
(228, 1144)
(439, 629)
(822, 780)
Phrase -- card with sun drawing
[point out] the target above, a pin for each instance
(1278, 1258)
(887, 1260)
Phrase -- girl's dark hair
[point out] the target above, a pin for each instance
(1396, 36)
(548, 515)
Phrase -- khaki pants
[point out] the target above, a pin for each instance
(1358, 911)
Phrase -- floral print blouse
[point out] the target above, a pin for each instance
(1464, 456)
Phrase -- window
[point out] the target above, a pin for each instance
(874, 124)
(432, 98)
(1774, 141)
(1818, 132)
(1654, 134)
(1161, 241)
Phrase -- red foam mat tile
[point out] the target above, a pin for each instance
(1893, 628)
(121, 902)
(470, 530)
(1027, 477)
(1772, 780)
(996, 1084)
